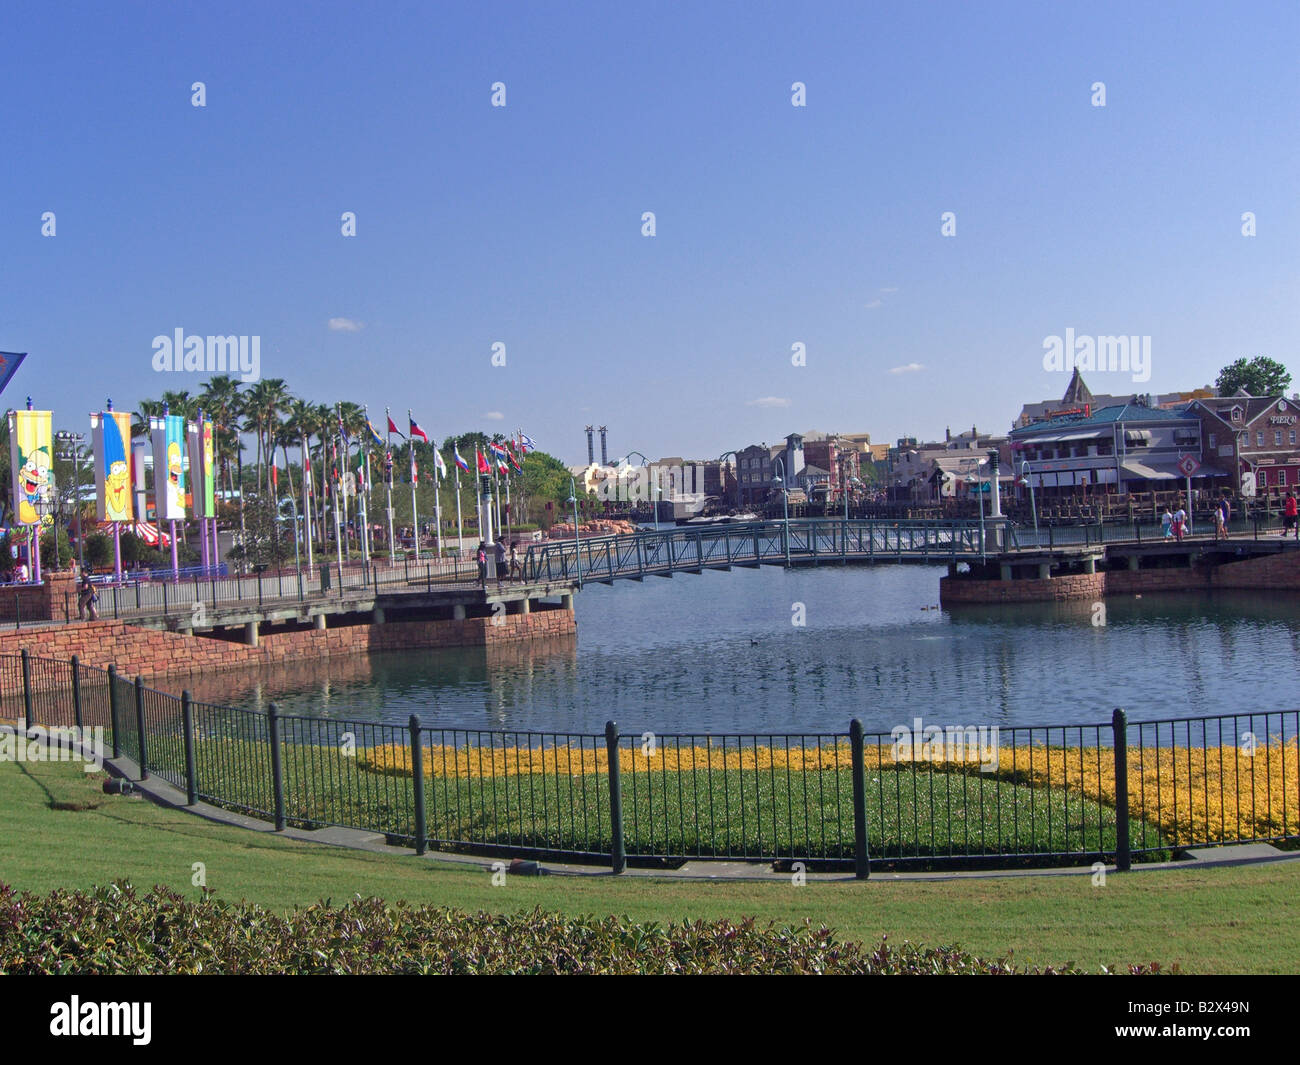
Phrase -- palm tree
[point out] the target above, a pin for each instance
(265, 400)
(221, 401)
(181, 403)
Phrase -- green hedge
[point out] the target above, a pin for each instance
(116, 929)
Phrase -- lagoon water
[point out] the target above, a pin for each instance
(721, 653)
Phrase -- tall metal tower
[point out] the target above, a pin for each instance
(591, 446)
(604, 450)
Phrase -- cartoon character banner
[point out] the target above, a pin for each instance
(168, 474)
(209, 470)
(202, 473)
(31, 459)
(111, 433)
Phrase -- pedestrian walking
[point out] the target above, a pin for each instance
(1289, 515)
(482, 565)
(86, 598)
(1227, 516)
(502, 572)
(515, 567)
(1167, 523)
(1220, 526)
(1180, 524)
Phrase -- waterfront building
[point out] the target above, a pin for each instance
(1251, 435)
(1127, 447)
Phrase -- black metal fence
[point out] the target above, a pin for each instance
(916, 797)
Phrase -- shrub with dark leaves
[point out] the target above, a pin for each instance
(116, 929)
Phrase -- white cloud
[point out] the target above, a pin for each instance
(911, 367)
(768, 401)
(495, 416)
(888, 291)
(345, 325)
(874, 304)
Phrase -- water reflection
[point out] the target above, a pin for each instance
(720, 652)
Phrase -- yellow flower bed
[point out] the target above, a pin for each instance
(1223, 794)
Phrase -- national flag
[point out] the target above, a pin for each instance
(526, 443)
(460, 461)
(374, 433)
(501, 465)
(417, 431)
(497, 450)
(275, 478)
(438, 464)
(392, 428)
(343, 434)
(515, 463)
(483, 466)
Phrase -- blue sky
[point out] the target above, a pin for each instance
(775, 225)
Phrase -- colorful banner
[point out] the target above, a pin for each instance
(9, 363)
(209, 471)
(168, 470)
(111, 435)
(31, 458)
(202, 470)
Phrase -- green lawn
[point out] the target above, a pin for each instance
(61, 831)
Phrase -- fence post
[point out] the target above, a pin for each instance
(1119, 726)
(27, 690)
(277, 770)
(861, 857)
(139, 727)
(112, 711)
(76, 692)
(417, 774)
(618, 851)
(187, 722)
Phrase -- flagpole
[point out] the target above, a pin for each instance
(496, 484)
(338, 530)
(365, 520)
(388, 481)
(437, 502)
(460, 532)
(415, 516)
(307, 515)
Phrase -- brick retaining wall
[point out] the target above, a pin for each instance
(1278, 572)
(157, 653)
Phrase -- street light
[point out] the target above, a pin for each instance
(722, 475)
(974, 479)
(785, 503)
(577, 543)
(1024, 474)
(650, 487)
(70, 448)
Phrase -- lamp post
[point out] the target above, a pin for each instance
(70, 448)
(722, 475)
(651, 489)
(1033, 505)
(977, 480)
(785, 504)
(577, 542)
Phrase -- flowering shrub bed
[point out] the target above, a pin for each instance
(1191, 795)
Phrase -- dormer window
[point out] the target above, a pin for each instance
(1236, 414)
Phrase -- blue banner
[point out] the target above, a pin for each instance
(9, 363)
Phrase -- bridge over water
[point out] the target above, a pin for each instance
(808, 542)
(992, 549)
